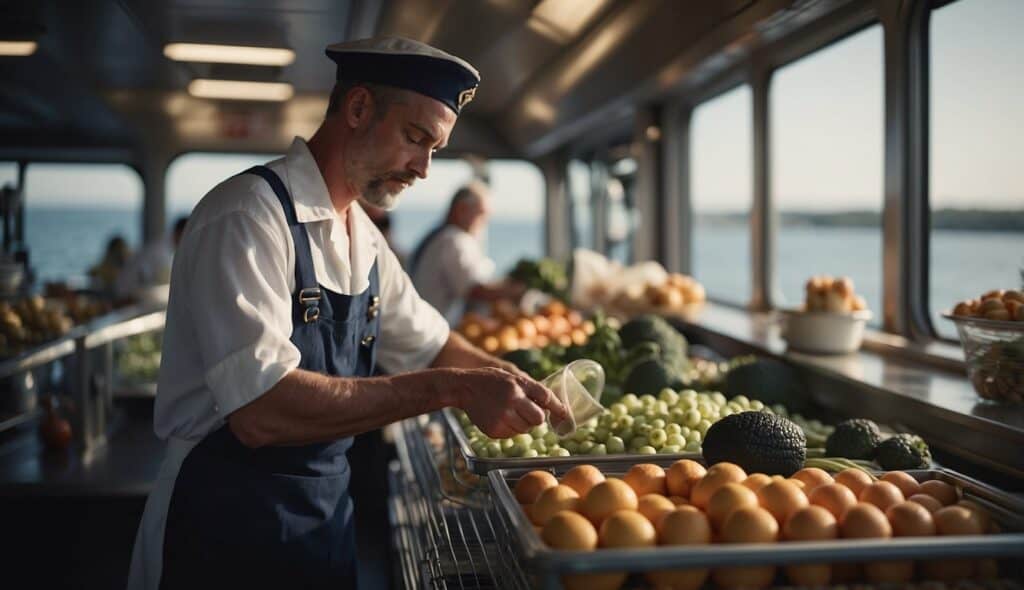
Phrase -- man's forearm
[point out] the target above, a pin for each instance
(306, 407)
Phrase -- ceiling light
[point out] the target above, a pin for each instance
(238, 90)
(563, 20)
(229, 54)
(19, 48)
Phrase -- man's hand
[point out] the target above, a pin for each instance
(504, 403)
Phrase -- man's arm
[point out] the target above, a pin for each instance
(306, 407)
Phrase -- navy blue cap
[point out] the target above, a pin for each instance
(408, 64)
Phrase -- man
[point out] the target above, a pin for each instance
(151, 265)
(450, 268)
(283, 299)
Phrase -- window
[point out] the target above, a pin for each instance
(516, 229)
(977, 196)
(72, 212)
(191, 176)
(582, 214)
(425, 204)
(721, 184)
(827, 155)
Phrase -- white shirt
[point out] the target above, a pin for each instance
(226, 341)
(450, 265)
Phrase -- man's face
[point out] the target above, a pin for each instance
(393, 151)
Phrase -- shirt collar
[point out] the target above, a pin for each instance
(306, 184)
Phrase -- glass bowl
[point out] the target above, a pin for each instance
(994, 351)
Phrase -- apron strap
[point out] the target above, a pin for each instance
(305, 276)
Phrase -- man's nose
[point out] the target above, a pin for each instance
(420, 165)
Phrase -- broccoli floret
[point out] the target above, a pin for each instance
(654, 329)
(854, 439)
(650, 377)
(903, 451)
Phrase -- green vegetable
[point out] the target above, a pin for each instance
(654, 329)
(903, 451)
(854, 439)
(650, 377)
(768, 380)
(758, 442)
(547, 275)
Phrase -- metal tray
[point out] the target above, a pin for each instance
(547, 565)
(482, 465)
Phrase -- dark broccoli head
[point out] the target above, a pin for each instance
(903, 451)
(854, 439)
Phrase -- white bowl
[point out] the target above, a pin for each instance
(823, 332)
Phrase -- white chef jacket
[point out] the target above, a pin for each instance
(226, 341)
(451, 264)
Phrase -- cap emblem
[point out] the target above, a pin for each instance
(465, 96)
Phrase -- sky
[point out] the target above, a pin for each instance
(826, 119)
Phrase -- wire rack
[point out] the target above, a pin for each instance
(446, 531)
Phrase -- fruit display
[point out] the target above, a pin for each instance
(509, 328)
(991, 330)
(677, 294)
(825, 293)
(35, 319)
(999, 304)
(649, 507)
(672, 422)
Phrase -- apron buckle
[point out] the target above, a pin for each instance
(311, 314)
(309, 295)
(367, 340)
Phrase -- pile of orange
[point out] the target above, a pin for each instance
(508, 328)
(688, 505)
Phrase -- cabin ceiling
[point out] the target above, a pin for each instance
(99, 77)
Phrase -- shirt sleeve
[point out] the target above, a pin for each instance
(239, 303)
(412, 332)
(467, 265)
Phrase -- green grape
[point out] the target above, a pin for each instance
(673, 428)
(657, 423)
(605, 421)
(539, 445)
(522, 439)
(493, 450)
(639, 421)
(559, 453)
(464, 420)
(626, 422)
(694, 436)
(726, 412)
(571, 445)
(599, 450)
(592, 423)
(581, 434)
(539, 431)
(692, 447)
(741, 400)
(705, 408)
(688, 394)
(648, 399)
(675, 440)
(506, 444)
(615, 445)
(661, 408)
(626, 434)
(668, 396)
(530, 453)
(670, 450)
(677, 415)
(685, 431)
(650, 414)
(601, 434)
(657, 438)
(585, 447)
(703, 427)
(735, 407)
(717, 398)
(619, 409)
(693, 418)
(643, 430)
(637, 442)
(630, 400)
(516, 450)
(647, 450)
(637, 410)
(756, 405)
(551, 439)
(687, 404)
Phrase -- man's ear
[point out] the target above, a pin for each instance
(359, 107)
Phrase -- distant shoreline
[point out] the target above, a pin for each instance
(990, 220)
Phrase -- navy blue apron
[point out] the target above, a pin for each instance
(277, 516)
